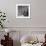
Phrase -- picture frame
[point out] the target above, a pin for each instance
(22, 10)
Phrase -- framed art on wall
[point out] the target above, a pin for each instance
(22, 10)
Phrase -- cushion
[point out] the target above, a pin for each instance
(27, 38)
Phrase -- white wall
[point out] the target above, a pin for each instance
(38, 14)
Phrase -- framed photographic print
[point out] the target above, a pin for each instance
(22, 10)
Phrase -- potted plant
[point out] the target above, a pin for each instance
(2, 19)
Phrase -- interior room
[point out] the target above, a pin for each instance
(22, 22)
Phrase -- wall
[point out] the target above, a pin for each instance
(38, 13)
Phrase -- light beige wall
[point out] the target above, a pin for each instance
(38, 13)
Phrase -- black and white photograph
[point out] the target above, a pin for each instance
(22, 10)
